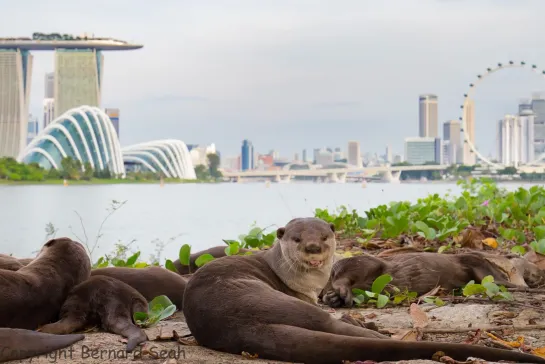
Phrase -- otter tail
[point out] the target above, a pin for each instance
(21, 344)
(295, 344)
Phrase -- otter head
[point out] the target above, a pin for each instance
(308, 242)
(70, 254)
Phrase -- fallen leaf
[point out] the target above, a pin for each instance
(419, 317)
(433, 292)
(371, 316)
(512, 344)
(474, 338)
(504, 314)
(407, 335)
(472, 239)
(539, 351)
(248, 355)
(491, 242)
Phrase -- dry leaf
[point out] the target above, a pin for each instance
(512, 344)
(407, 335)
(433, 292)
(491, 242)
(419, 317)
(471, 239)
(504, 314)
(248, 355)
(539, 351)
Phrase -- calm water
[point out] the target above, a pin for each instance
(196, 214)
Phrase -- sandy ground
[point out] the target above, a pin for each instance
(99, 347)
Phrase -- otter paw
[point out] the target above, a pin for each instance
(356, 322)
(338, 297)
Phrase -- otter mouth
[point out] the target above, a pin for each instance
(314, 263)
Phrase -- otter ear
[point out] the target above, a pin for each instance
(50, 242)
(280, 232)
(332, 227)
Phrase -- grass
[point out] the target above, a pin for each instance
(97, 181)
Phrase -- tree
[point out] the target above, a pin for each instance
(213, 165)
(508, 170)
(88, 173)
(202, 172)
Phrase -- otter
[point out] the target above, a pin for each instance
(416, 272)
(266, 304)
(104, 301)
(32, 296)
(17, 344)
(150, 282)
(11, 263)
(216, 252)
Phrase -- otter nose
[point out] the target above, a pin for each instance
(313, 249)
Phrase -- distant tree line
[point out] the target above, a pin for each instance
(210, 172)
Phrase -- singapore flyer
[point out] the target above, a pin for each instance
(469, 96)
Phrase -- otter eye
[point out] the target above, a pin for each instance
(324, 238)
(297, 240)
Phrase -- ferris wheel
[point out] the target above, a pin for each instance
(469, 95)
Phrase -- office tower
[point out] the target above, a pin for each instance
(247, 155)
(538, 106)
(324, 157)
(388, 155)
(49, 111)
(469, 158)
(511, 144)
(113, 114)
(428, 117)
(15, 78)
(315, 154)
(338, 155)
(423, 150)
(354, 154)
(49, 85)
(296, 157)
(527, 120)
(78, 78)
(449, 152)
(452, 134)
(33, 128)
(304, 155)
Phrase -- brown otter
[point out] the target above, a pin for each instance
(216, 252)
(416, 272)
(33, 295)
(11, 263)
(265, 304)
(104, 301)
(17, 344)
(150, 281)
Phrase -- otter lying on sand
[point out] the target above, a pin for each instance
(32, 296)
(420, 273)
(265, 304)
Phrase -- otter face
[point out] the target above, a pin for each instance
(309, 242)
(65, 245)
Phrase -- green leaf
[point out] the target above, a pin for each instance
(140, 316)
(382, 301)
(232, 249)
(487, 279)
(185, 253)
(203, 259)
(381, 282)
(132, 259)
(159, 303)
(539, 232)
(167, 312)
(170, 266)
(473, 289)
(439, 302)
(518, 249)
(442, 248)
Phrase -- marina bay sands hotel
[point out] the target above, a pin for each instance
(79, 64)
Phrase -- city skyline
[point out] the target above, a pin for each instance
(326, 83)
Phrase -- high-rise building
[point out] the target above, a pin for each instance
(388, 155)
(423, 150)
(296, 157)
(304, 155)
(247, 155)
(354, 154)
(315, 152)
(49, 85)
(33, 128)
(538, 106)
(49, 112)
(113, 114)
(15, 79)
(515, 138)
(469, 158)
(527, 121)
(428, 116)
(452, 134)
(324, 157)
(78, 78)
(338, 155)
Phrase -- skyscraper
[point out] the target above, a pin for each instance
(113, 114)
(49, 111)
(538, 106)
(354, 154)
(423, 150)
(428, 117)
(469, 158)
(388, 155)
(304, 155)
(247, 155)
(452, 134)
(33, 128)
(78, 78)
(49, 85)
(15, 78)
(49, 98)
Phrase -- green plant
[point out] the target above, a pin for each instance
(255, 239)
(487, 289)
(379, 296)
(538, 246)
(159, 309)
(435, 300)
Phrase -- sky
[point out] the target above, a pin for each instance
(295, 74)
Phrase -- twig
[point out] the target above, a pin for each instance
(484, 300)
(527, 290)
(483, 328)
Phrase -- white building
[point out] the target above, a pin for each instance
(199, 154)
(516, 138)
(49, 111)
(450, 152)
(421, 150)
(354, 153)
(324, 157)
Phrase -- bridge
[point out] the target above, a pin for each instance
(338, 175)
